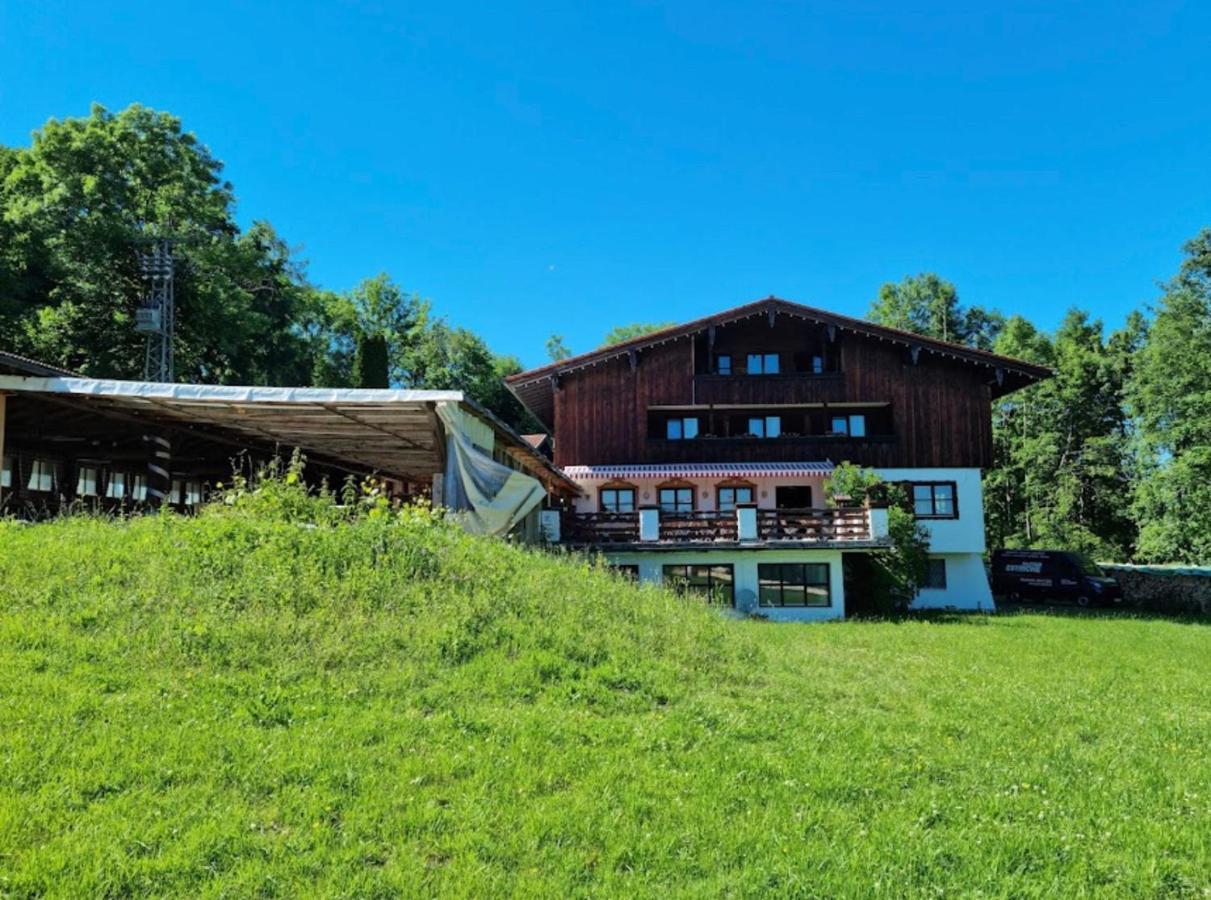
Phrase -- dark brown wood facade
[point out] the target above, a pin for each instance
(931, 410)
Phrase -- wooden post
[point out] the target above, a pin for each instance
(3, 400)
(159, 480)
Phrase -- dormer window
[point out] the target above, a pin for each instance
(763, 364)
(682, 428)
(854, 426)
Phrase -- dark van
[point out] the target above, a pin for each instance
(1052, 576)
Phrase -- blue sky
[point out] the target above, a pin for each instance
(539, 168)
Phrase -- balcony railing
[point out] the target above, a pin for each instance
(833, 524)
(600, 528)
(692, 527)
(746, 525)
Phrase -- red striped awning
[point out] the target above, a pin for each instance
(702, 470)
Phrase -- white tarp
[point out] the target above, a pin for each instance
(489, 498)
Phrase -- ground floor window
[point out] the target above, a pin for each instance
(793, 584)
(793, 496)
(185, 492)
(115, 486)
(6, 473)
(716, 583)
(138, 488)
(618, 500)
(935, 574)
(630, 570)
(87, 479)
(41, 476)
(677, 499)
(731, 497)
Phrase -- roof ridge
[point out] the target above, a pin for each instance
(791, 307)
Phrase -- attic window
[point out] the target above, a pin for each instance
(763, 364)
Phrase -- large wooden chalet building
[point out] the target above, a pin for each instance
(702, 452)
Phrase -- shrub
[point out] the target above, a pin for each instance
(900, 569)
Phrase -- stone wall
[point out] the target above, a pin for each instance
(1175, 590)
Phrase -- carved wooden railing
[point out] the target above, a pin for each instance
(697, 527)
(842, 524)
(601, 528)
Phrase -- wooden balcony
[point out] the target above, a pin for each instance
(746, 527)
(832, 524)
(593, 529)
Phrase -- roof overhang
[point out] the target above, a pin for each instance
(395, 432)
(536, 388)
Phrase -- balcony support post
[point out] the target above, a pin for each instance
(746, 522)
(877, 521)
(649, 524)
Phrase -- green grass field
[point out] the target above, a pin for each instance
(234, 706)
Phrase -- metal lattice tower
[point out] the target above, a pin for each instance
(156, 317)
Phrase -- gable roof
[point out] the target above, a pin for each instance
(535, 388)
(16, 364)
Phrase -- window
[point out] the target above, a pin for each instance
(185, 492)
(618, 500)
(731, 497)
(793, 497)
(41, 476)
(934, 500)
(115, 487)
(765, 426)
(138, 488)
(677, 499)
(854, 426)
(86, 481)
(630, 571)
(763, 363)
(683, 428)
(935, 574)
(793, 584)
(816, 365)
(723, 364)
(6, 473)
(715, 583)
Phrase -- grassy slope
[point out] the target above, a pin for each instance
(237, 707)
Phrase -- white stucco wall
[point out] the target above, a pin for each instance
(706, 491)
(964, 534)
(744, 572)
(966, 585)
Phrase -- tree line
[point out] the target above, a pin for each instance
(1111, 457)
(77, 203)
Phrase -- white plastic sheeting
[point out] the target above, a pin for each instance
(487, 497)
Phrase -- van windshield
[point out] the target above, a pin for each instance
(1088, 566)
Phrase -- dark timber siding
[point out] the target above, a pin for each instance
(940, 408)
